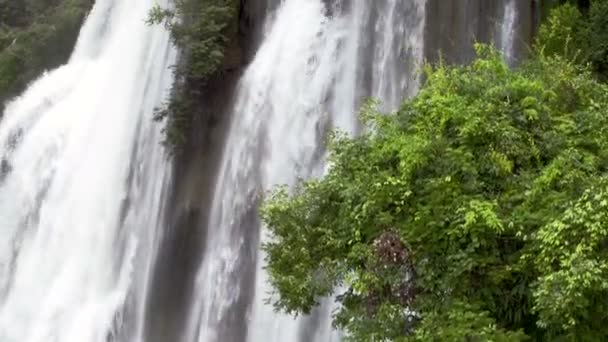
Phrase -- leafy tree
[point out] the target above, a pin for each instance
(562, 33)
(580, 33)
(470, 214)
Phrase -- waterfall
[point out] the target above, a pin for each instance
(304, 80)
(84, 180)
(507, 31)
(82, 185)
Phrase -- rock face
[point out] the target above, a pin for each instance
(456, 25)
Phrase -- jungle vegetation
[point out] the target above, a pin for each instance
(35, 35)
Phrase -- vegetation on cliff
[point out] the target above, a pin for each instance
(35, 35)
(203, 30)
(476, 212)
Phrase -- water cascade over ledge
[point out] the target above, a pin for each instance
(85, 183)
(304, 80)
(316, 64)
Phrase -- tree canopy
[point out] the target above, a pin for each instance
(476, 212)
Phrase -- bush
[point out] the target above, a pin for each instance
(472, 176)
(564, 34)
(578, 34)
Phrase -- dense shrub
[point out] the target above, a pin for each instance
(578, 33)
(491, 184)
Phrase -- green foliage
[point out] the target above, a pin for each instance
(35, 35)
(573, 263)
(561, 33)
(456, 219)
(598, 36)
(202, 29)
(579, 34)
(15, 13)
(461, 322)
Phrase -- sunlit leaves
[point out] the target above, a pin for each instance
(573, 261)
(477, 176)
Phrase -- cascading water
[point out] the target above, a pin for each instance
(303, 80)
(82, 183)
(83, 177)
(507, 30)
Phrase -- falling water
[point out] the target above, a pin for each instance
(303, 81)
(82, 184)
(507, 30)
(83, 178)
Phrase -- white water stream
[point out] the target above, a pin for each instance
(507, 30)
(83, 178)
(305, 79)
(80, 203)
